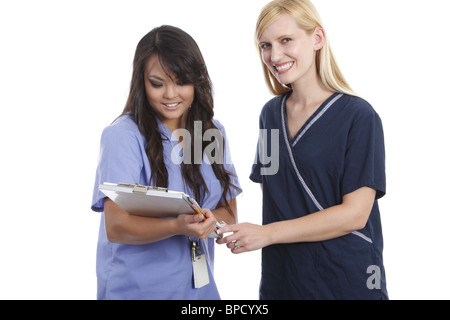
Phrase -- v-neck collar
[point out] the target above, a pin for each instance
(311, 120)
(165, 131)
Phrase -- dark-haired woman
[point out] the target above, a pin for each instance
(150, 258)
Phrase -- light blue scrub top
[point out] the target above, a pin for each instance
(161, 270)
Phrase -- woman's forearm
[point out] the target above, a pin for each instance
(330, 223)
(122, 227)
(319, 226)
(222, 214)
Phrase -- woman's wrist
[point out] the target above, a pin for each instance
(174, 227)
(271, 233)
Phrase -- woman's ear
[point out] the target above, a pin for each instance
(319, 38)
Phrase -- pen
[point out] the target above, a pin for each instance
(196, 209)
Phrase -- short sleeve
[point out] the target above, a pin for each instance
(120, 161)
(365, 156)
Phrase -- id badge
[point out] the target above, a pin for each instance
(199, 266)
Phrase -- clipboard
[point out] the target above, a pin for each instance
(154, 202)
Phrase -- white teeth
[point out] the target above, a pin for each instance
(284, 67)
(171, 105)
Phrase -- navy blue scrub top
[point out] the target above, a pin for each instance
(337, 151)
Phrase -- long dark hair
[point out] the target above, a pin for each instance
(179, 55)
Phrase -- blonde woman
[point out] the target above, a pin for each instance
(321, 234)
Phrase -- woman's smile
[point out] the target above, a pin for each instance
(282, 68)
(171, 106)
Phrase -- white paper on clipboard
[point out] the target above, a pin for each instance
(152, 202)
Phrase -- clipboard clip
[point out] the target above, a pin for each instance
(141, 189)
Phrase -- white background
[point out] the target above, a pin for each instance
(65, 69)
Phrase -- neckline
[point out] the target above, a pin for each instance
(165, 131)
(311, 120)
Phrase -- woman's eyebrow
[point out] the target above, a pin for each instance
(156, 78)
(285, 36)
(277, 39)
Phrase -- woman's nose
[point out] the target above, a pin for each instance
(276, 54)
(170, 92)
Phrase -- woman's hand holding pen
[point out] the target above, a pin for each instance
(245, 237)
(197, 225)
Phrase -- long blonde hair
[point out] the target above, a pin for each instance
(307, 17)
